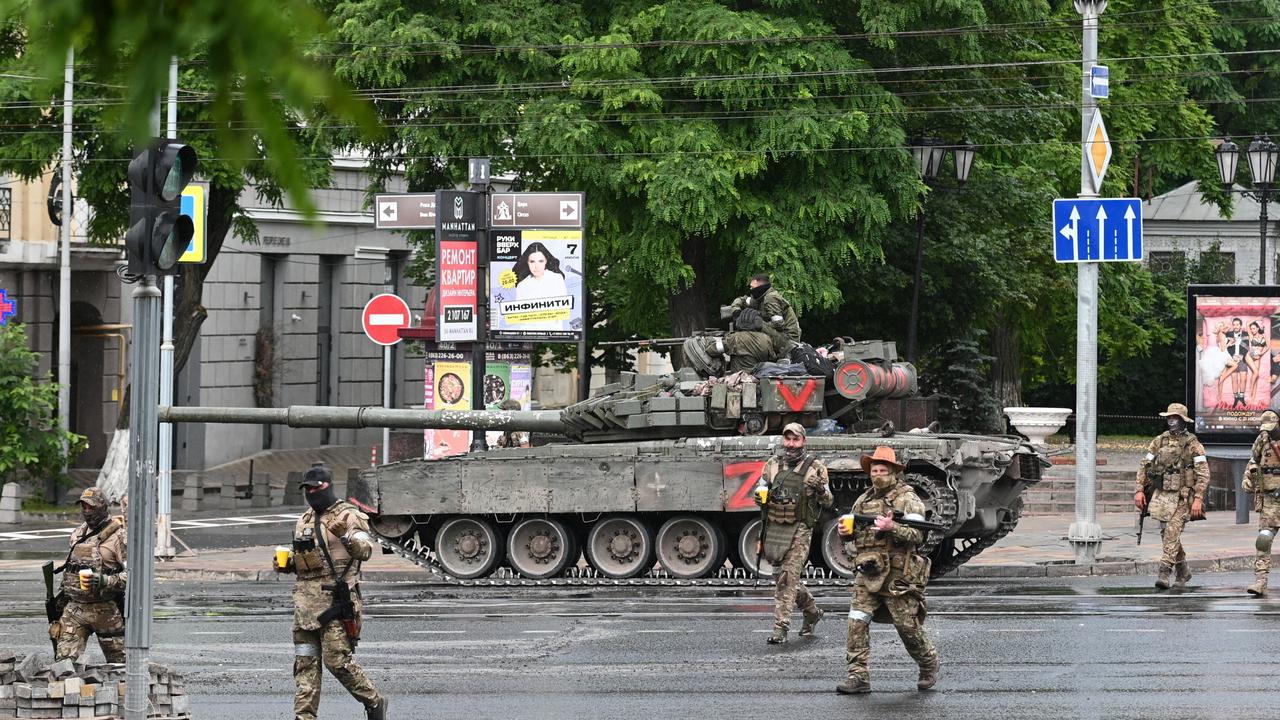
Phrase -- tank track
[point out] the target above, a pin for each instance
(425, 558)
(941, 498)
(977, 545)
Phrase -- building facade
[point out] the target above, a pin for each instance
(1180, 225)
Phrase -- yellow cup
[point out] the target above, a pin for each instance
(845, 526)
(86, 576)
(282, 556)
(762, 494)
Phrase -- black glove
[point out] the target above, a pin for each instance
(748, 319)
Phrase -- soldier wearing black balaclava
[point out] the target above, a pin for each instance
(1171, 482)
(330, 541)
(93, 583)
(774, 309)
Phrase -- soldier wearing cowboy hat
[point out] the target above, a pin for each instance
(891, 574)
(1171, 483)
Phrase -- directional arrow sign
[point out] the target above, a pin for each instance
(535, 210)
(405, 211)
(1103, 230)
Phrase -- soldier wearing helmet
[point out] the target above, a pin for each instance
(792, 491)
(1171, 482)
(891, 574)
(330, 541)
(93, 583)
(1262, 477)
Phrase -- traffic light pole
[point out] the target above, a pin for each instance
(143, 412)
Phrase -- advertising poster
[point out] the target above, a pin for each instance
(446, 386)
(1234, 361)
(508, 375)
(456, 280)
(536, 285)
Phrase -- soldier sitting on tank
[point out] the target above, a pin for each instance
(775, 310)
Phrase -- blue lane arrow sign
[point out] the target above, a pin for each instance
(1099, 81)
(1103, 230)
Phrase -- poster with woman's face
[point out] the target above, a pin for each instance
(1234, 351)
(536, 285)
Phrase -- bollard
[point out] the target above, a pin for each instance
(11, 504)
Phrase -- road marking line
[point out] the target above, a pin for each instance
(1017, 630)
(1150, 630)
(1248, 630)
(659, 631)
(217, 632)
(254, 520)
(437, 632)
(540, 632)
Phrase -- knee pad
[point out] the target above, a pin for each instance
(1263, 543)
(859, 616)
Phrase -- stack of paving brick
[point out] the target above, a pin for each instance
(69, 689)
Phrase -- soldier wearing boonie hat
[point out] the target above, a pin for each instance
(1171, 482)
(1262, 478)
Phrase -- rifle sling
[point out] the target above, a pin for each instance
(324, 548)
(88, 535)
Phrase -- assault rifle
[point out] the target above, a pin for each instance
(899, 518)
(51, 609)
(1146, 509)
(343, 609)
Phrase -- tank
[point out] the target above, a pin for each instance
(653, 477)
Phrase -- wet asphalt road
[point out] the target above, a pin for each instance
(1071, 648)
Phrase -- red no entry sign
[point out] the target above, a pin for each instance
(383, 315)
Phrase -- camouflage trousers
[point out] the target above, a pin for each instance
(79, 620)
(906, 612)
(1268, 507)
(1172, 551)
(789, 591)
(330, 645)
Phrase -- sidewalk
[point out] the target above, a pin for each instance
(1037, 548)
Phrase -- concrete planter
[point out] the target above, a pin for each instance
(1037, 423)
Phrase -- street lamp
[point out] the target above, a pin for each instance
(929, 153)
(1263, 155)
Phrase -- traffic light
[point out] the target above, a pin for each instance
(158, 232)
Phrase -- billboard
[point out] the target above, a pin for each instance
(1233, 362)
(536, 285)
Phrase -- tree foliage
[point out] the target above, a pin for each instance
(30, 436)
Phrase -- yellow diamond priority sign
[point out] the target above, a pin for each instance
(1097, 151)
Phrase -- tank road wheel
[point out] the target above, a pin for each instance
(837, 551)
(746, 545)
(689, 547)
(468, 547)
(620, 547)
(539, 548)
(392, 527)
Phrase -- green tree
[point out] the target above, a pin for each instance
(30, 436)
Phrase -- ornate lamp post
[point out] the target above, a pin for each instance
(929, 153)
(1263, 156)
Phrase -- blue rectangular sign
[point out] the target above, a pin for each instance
(1099, 81)
(1102, 230)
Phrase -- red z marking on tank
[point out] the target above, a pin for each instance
(745, 473)
(796, 402)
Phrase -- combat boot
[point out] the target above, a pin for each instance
(810, 621)
(779, 635)
(1162, 580)
(1183, 573)
(376, 712)
(854, 686)
(928, 676)
(1258, 588)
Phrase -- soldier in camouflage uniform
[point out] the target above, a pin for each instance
(777, 313)
(1262, 477)
(97, 545)
(797, 492)
(749, 344)
(891, 574)
(330, 541)
(1171, 483)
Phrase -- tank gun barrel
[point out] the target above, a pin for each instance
(300, 416)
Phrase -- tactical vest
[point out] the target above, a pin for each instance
(788, 502)
(88, 555)
(1171, 469)
(308, 558)
(1270, 465)
(865, 535)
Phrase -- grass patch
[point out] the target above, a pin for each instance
(39, 505)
